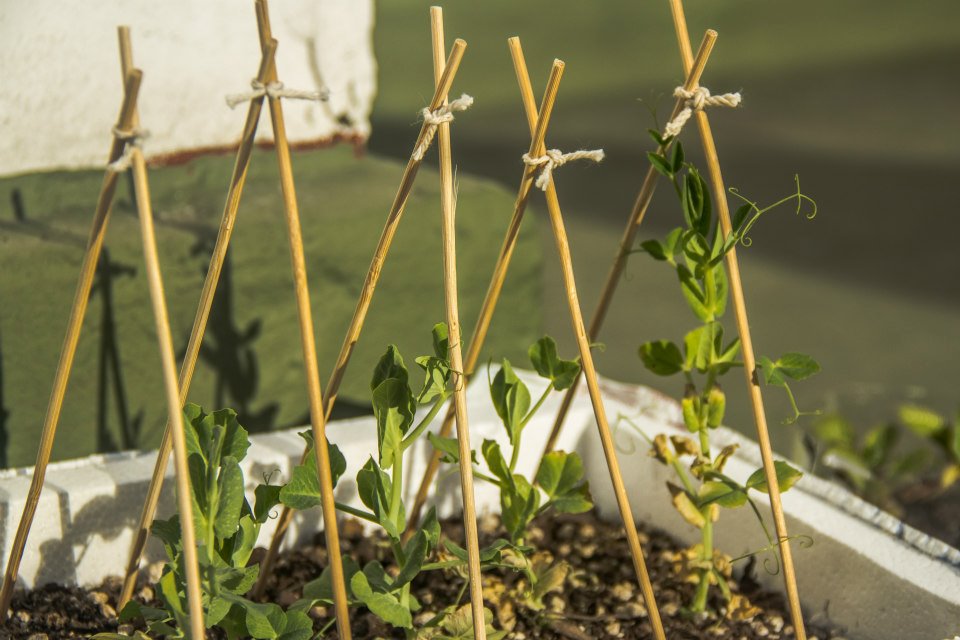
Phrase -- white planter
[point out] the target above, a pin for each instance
(867, 572)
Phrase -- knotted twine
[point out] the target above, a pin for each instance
(133, 139)
(443, 113)
(554, 158)
(274, 90)
(697, 100)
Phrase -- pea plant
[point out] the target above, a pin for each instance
(558, 484)
(379, 485)
(696, 252)
(226, 529)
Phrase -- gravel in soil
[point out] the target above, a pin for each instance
(600, 596)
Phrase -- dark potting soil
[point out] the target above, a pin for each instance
(600, 596)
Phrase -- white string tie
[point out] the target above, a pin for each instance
(433, 119)
(132, 139)
(697, 100)
(554, 158)
(275, 90)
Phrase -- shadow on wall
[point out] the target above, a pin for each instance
(228, 350)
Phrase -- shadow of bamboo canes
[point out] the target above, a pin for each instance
(228, 350)
(109, 365)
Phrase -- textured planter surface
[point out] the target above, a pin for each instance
(866, 571)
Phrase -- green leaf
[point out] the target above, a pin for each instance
(303, 490)
(298, 626)
(546, 362)
(559, 473)
(655, 249)
(495, 461)
(390, 366)
(415, 552)
(790, 365)
(430, 526)
(692, 292)
(922, 421)
(449, 447)
(393, 407)
(511, 399)
(739, 217)
(787, 476)
(721, 493)
(231, 498)
(441, 340)
(266, 497)
(321, 589)
(661, 164)
(518, 506)
(384, 605)
(437, 378)
(676, 158)
(236, 440)
(661, 357)
(661, 142)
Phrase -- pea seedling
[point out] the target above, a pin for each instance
(696, 252)
(226, 528)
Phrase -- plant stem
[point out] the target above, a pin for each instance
(396, 488)
(358, 513)
(515, 456)
(427, 419)
(684, 478)
(706, 555)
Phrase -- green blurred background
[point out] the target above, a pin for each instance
(857, 98)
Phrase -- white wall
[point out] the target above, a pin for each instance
(61, 84)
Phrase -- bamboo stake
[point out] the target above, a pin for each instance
(743, 327)
(480, 331)
(366, 294)
(188, 366)
(586, 360)
(88, 268)
(629, 235)
(165, 340)
(448, 228)
(317, 419)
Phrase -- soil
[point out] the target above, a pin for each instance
(600, 598)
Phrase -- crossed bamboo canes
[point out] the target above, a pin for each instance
(369, 287)
(448, 206)
(743, 327)
(124, 151)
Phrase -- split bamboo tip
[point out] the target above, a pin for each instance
(712, 34)
(558, 63)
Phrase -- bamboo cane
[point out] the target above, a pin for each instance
(626, 241)
(448, 228)
(317, 419)
(88, 268)
(366, 294)
(743, 327)
(188, 365)
(165, 340)
(586, 361)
